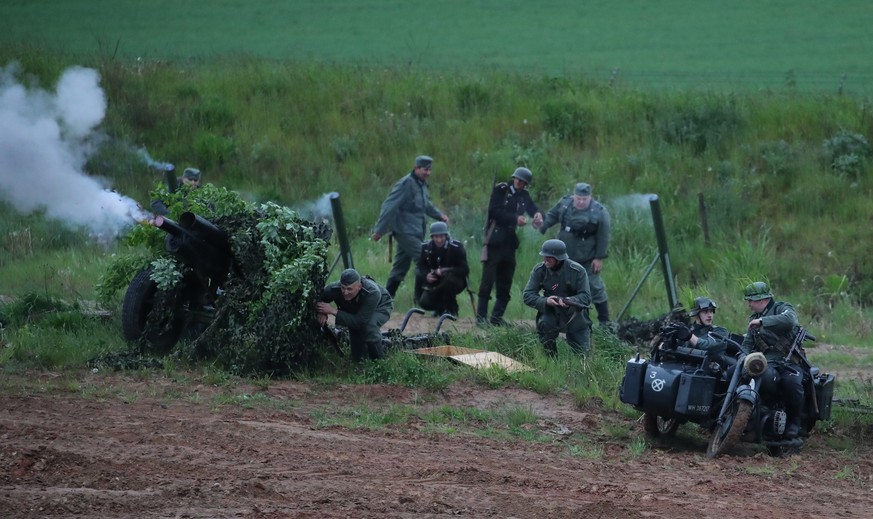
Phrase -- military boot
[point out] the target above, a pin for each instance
(391, 286)
(452, 307)
(482, 311)
(497, 313)
(602, 313)
(792, 430)
(551, 348)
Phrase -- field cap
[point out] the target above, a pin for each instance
(191, 174)
(423, 161)
(349, 277)
(582, 189)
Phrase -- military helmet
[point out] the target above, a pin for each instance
(524, 175)
(554, 248)
(757, 291)
(700, 304)
(439, 228)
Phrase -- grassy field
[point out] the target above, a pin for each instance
(804, 44)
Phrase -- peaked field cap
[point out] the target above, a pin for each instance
(582, 189)
(423, 161)
(349, 277)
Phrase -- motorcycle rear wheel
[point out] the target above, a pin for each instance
(728, 432)
(656, 426)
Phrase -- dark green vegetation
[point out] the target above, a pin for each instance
(805, 44)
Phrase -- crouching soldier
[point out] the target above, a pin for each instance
(563, 304)
(363, 307)
(441, 273)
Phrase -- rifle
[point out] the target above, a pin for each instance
(390, 248)
(488, 230)
(578, 306)
(470, 292)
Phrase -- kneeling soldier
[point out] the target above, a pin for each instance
(563, 305)
(363, 307)
(441, 273)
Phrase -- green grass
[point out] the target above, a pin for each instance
(664, 44)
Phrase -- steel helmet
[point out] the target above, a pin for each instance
(757, 291)
(439, 228)
(554, 248)
(702, 303)
(524, 175)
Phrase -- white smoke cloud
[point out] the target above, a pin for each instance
(317, 209)
(45, 139)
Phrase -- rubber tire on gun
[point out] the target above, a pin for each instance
(139, 301)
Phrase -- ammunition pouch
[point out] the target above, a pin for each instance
(584, 231)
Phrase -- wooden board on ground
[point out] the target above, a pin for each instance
(478, 359)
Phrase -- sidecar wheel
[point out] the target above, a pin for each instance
(726, 435)
(139, 302)
(655, 425)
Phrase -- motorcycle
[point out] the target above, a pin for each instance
(719, 391)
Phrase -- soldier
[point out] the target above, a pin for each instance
(404, 213)
(563, 305)
(507, 207)
(442, 271)
(703, 335)
(585, 228)
(190, 177)
(772, 329)
(362, 306)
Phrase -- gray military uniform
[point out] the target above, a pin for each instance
(568, 280)
(587, 233)
(363, 316)
(404, 213)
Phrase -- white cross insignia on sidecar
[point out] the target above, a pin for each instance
(658, 384)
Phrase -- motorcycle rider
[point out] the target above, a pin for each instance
(772, 329)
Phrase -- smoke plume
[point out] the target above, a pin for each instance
(45, 139)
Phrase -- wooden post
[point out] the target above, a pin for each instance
(704, 224)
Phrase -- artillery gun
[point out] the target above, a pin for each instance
(159, 318)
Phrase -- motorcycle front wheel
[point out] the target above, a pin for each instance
(729, 430)
(655, 425)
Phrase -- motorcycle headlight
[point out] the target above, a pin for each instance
(755, 363)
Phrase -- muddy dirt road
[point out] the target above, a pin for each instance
(118, 446)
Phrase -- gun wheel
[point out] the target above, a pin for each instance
(729, 431)
(140, 302)
(655, 425)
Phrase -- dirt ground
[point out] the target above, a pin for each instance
(112, 445)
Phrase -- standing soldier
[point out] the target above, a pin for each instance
(586, 230)
(441, 272)
(563, 305)
(363, 307)
(507, 207)
(404, 213)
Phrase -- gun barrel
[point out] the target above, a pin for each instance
(204, 229)
(169, 226)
